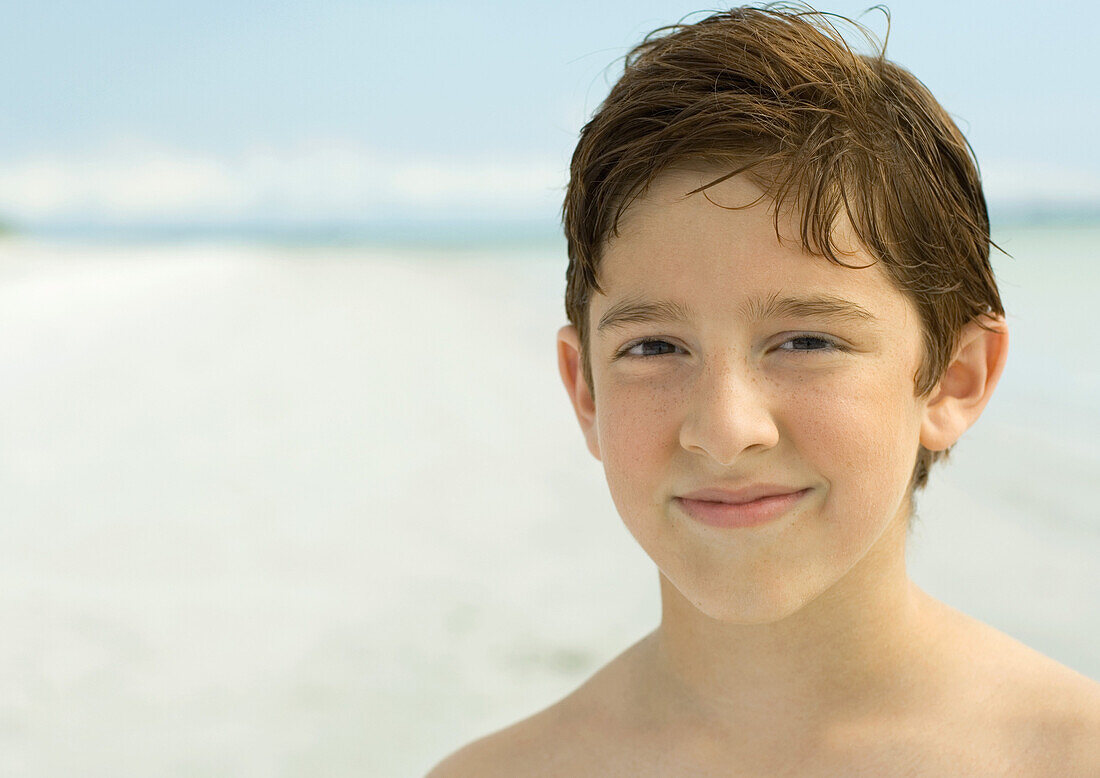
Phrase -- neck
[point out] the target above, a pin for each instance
(855, 652)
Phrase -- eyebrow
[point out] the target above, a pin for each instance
(634, 311)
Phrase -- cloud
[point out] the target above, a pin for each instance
(1018, 182)
(135, 182)
(325, 180)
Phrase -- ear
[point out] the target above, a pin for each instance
(569, 365)
(967, 384)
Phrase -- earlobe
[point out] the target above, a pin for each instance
(572, 375)
(967, 384)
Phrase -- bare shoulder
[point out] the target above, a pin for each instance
(1047, 713)
(526, 743)
(568, 738)
(1058, 717)
(548, 743)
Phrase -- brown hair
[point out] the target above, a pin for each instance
(776, 92)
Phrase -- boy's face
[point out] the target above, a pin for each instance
(730, 398)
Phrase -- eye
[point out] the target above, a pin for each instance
(651, 347)
(810, 343)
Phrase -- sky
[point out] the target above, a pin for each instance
(237, 113)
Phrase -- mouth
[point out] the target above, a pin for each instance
(730, 515)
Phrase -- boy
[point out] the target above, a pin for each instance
(782, 314)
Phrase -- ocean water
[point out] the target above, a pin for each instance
(293, 511)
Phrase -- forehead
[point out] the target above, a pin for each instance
(718, 251)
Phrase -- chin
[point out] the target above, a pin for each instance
(752, 605)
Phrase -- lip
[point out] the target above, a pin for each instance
(738, 496)
(744, 508)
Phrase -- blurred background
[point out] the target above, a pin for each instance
(289, 486)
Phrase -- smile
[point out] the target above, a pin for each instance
(737, 515)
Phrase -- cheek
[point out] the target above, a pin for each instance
(861, 435)
(638, 436)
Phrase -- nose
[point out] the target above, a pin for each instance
(729, 413)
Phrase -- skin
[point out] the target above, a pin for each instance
(801, 644)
